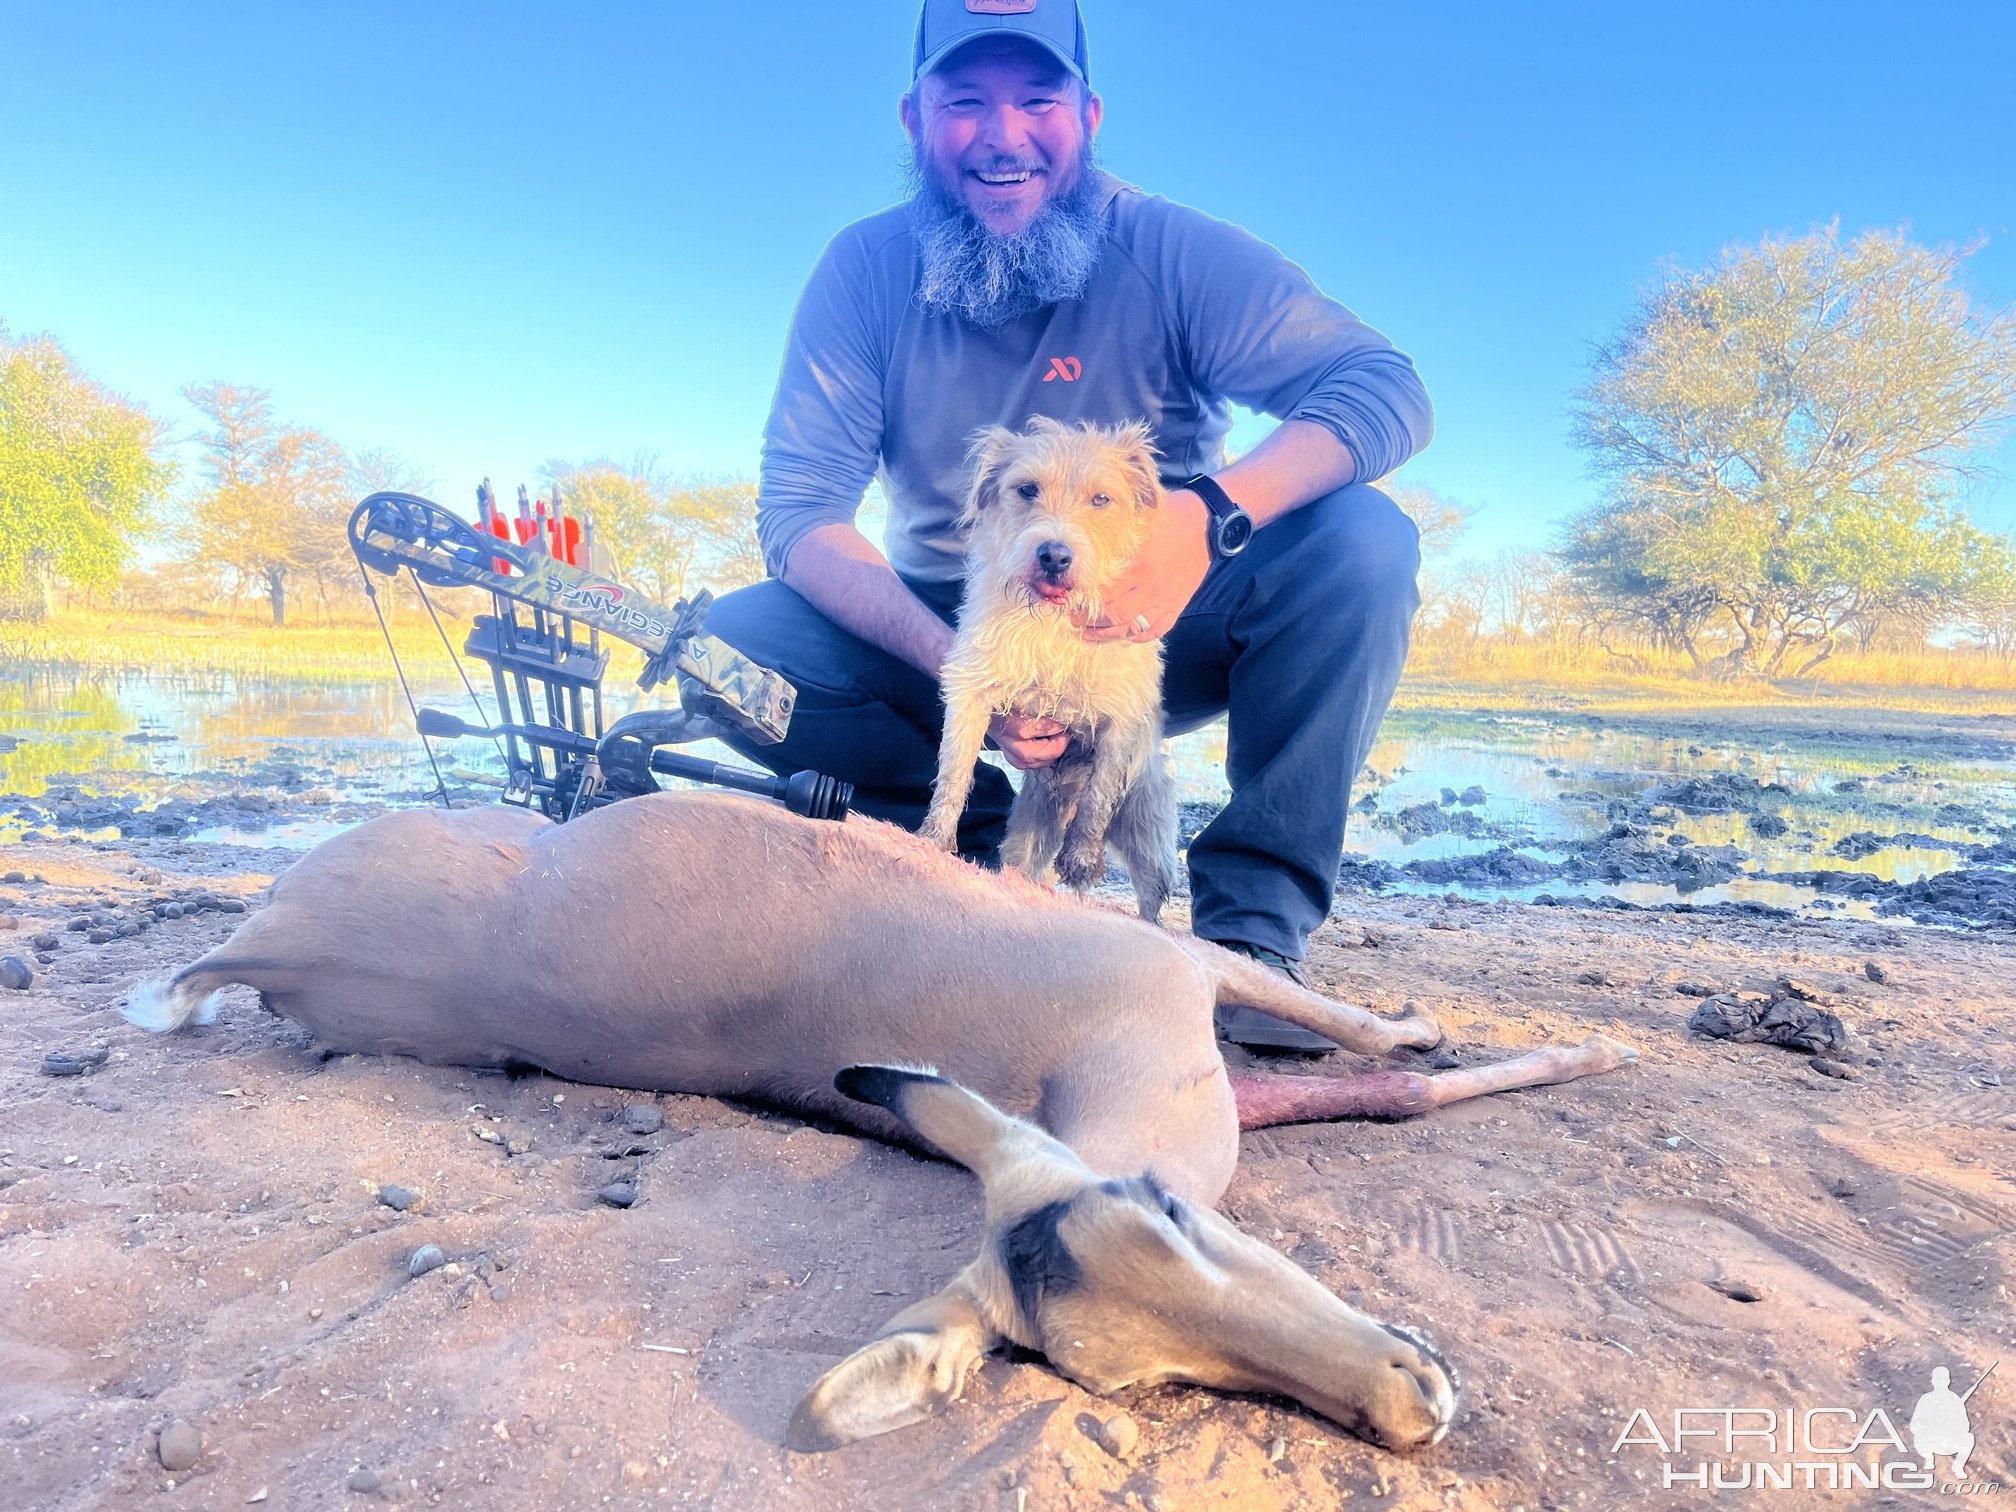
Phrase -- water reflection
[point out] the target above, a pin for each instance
(1545, 783)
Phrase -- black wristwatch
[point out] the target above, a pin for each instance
(1231, 527)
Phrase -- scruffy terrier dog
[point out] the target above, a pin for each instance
(1053, 516)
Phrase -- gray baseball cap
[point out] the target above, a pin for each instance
(945, 26)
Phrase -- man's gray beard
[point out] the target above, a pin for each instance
(991, 279)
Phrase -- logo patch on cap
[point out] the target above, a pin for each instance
(1000, 7)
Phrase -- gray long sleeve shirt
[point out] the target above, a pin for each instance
(1182, 315)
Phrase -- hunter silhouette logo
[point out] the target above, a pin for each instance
(1067, 368)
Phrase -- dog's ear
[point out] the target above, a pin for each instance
(986, 454)
(1136, 451)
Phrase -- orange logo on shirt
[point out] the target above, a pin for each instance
(1067, 368)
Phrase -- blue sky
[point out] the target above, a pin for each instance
(491, 235)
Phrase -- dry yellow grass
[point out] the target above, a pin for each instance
(1474, 674)
(349, 650)
(1441, 672)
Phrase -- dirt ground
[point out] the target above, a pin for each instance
(192, 1230)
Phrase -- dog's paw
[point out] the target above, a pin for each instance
(1081, 868)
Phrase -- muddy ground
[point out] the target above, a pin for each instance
(194, 1231)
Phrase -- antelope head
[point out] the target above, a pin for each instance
(1119, 1282)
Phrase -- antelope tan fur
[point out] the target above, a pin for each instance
(1061, 1051)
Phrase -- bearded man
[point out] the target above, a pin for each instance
(1021, 280)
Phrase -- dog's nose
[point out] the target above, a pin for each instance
(1054, 557)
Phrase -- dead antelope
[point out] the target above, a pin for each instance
(742, 951)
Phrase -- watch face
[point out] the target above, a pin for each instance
(1234, 531)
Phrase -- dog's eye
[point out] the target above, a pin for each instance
(1100, 501)
(1029, 491)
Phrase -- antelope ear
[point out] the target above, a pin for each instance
(961, 1124)
(1137, 459)
(986, 454)
(914, 1368)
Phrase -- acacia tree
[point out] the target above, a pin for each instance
(669, 537)
(80, 470)
(1778, 438)
(278, 495)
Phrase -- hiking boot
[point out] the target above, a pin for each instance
(1254, 1030)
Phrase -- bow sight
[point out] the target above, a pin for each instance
(546, 664)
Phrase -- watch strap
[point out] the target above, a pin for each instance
(1212, 492)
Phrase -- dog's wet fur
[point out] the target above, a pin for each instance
(1054, 515)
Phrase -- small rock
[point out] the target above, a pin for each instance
(1444, 1060)
(397, 1198)
(362, 1480)
(501, 1292)
(180, 1447)
(643, 1118)
(8, 921)
(487, 1135)
(1806, 992)
(100, 936)
(15, 876)
(1595, 977)
(1827, 1066)
(1276, 1448)
(520, 1144)
(73, 1062)
(1876, 971)
(426, 1258)
(172, 910)
(15, 973)
(1694, 989)
(618, 1194)
(78, 923)
(229, 905)
(1117, 1435)
(47, 940)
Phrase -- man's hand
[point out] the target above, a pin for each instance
(1165, 573)
(1028, 741)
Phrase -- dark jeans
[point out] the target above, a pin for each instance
(1299, 640)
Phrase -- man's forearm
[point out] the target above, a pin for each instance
(1299, 461)
(838, 571)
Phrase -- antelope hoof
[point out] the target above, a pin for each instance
(1412, 1396)
(1600, 1053)
(1416, 1029)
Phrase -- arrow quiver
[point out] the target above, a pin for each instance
(542, 642)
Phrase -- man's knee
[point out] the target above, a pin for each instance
(762, 621)
(1357, 555)
(776, 628)
(1367, 538)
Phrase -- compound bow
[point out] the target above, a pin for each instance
(567, 763)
